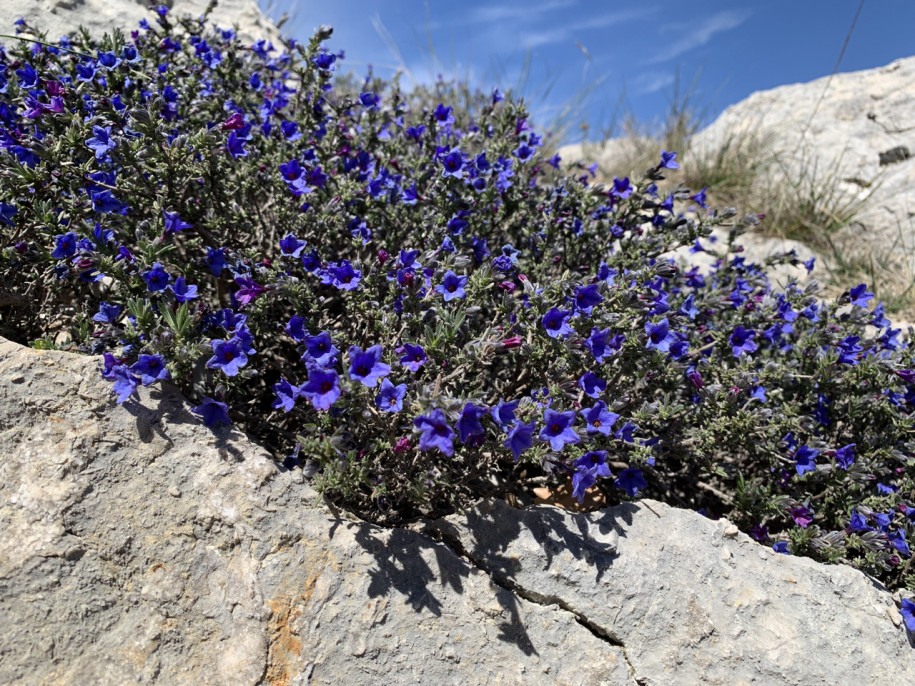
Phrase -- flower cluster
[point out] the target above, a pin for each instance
(403, 294)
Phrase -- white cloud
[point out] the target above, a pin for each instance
(651, 82)
(698, 34)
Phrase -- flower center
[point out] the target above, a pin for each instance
(555, 428)
(326, 386)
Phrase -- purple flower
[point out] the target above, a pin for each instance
(452, 286)
(632, 481)
(414, 357)
(151, 368)
(249, 290)
(741, 341)
(286, 395)
(101, 142)
(591, 384)
(557, 429)
(212, 412)
(845, 456)
(320, 350)
(366, 366)
(156, 278)
(805, 459)
(520, 438)
(227, 356)
(660, 336)
(598, 419)
(556, 323)
(435, 432)
(322, 387)
(801, 516)
(390, 397)
(587, 468)
(470, 430)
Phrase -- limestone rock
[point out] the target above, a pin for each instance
(61, 17)
(692, 600)
(843, 128)
(137, 547)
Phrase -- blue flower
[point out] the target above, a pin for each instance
(366, 366)
(343, 276)
(557, 429)
(503, 413)
(156, 278)
(587, 297)
(741, 341)
(520, 438)
(805, 459)
(857, 522)
(390, 397)
(453, 163)
(781, 547)
(908, 613)
(124, 382)
(235, 145)
(859, 295)
(632, 481)
(182, 291)
(322, 387)
(173, 222)
(668, 160)
(845, 456)
(470, 430)
(591, 384)
(602, 345)
(227, 356)
(660, 336)
(286, 395)
(435, 432)
(688, 308)
(291, 246)
(452, 286)
(556, 323)
(216, 260)
(101, 142)
(65, 245)
(414, 357)
(849, 349)
(107, 313)
(587, 468)
(212, 412)
(320, 350)
(151, 368)
(598, 419)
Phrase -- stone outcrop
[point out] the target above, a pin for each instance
(138, 546)
(62, 17)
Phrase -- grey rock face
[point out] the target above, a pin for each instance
(62, 17)
(692, 600)
(139, 547)
(839, 127)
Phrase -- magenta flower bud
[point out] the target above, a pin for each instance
(696, 378)
(507, 286)
(513, 342)
(403, 445)
(84, 263)
(383, 256)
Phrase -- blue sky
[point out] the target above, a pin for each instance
(625, 57)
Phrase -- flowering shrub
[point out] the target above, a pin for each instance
(401, 294)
